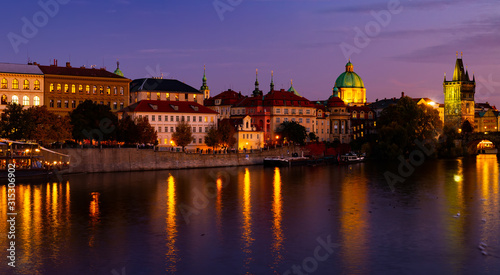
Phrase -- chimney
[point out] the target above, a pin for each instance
(68, 65)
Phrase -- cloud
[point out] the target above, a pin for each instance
(418, 5)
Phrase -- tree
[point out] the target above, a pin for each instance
(183, 135)
(146, 133)
(13, 122)
(400, 125)
(292, 131)
(46, 127)
(212, 137)
(136, 131)
(93, 121)
(313, 137)
(226, 133)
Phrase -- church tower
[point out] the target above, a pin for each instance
(204, 88)
(459, 96)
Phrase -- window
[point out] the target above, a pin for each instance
(300, 112)
(108, 90)
(308, 112)
(26, 85)
(159, 118)
(194, 118)
(308, 120)
(182, 118)
(115, 105)
(171, 118)
(194, 129)
(285, 119)
(167, 96)
(121, 90)
(158, 96)
(101, 90)
(194, 140)
(15, 84)
(176, 98)
(188, 118)
(73, 88)
(172, 129)
(293, 119)
(153, 118)
(73, 104)
(199, 119)
(199, 129)
(15, 99)
(51, 103)
(115, 90)
(148, 95)
(186, 96)
(80, 88)
(206, 119)
(300, 120)
(94, 89)
(58, 87)
(66, 104)
(159, 129)
(146, 117)
(285, 112)
(4, 99)
(278, 120)
(87, 89)
(101, 102)
(121, 105)
(206, 129)
(66, 88)
(51, 87)
(58, 104)
(278, 111)
(293, 111)
(36, 101)
(4, 84)
(176, 118)
(200, 140)
(26, 101)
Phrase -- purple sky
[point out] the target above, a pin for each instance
(299, 40)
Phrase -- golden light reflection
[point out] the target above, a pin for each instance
(172, 251)
(94, 216)
(25, 222)
(218, 204)
(354, 219)
(277, 246)
(247, 219)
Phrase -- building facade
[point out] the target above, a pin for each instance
(223, 102)
(459, 96)
(21, 84)
(67, 87)
(164, 116)
(163, 89)
(249, 136)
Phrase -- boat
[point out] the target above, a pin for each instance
(25, 160)
(285, 161)
(350, 158)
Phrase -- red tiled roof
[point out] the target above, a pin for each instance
(72, 71)
(284, 98)
(228, 97)
(162, 106)
(335, 101)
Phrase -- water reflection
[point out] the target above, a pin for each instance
(218, 205)
(171, 255)
(247, 220)
(487, 176)
(277, 208)
(94, 217)
(354, 222)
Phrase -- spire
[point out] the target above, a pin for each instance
(204, 86)
(272, 82)
(444, 76)
(349, 67)
(292, 89)
(466, 74)
(204, 77)
(459, 72)
(256, 92)
(118, 71)
(473, 77)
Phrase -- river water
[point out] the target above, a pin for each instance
(255, 220)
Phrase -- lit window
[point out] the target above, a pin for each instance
(51, 87)
(121, 90)
(94, 89)
(15, 84)
(167, 95)
(80, 88)
(37, 85)
(158, 96)
(66, 104)
(15, 99)
(87, 89)
(26, 85)
(4, 83)
(115, 90)
(108, 90)
(206, 119)
(58, 87)
(73, 88)
(148, 95)
(26, 101)
(4, 99)
(101, 90)
(66, 88)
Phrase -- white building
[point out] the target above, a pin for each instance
(248, 136)
(21, 84)
(165, 115)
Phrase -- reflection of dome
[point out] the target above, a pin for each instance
(349, 79)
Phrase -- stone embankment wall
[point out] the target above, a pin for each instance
(131, 159)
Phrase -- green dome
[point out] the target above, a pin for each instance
(118, 71)
(349, 79)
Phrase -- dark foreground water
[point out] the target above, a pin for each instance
(255, 220)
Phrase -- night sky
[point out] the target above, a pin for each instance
(299, 40)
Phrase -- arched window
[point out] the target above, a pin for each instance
(4, 83)
(15, 99)
(121, 90)
(66, 88)
(37, 85)
(4, 99)
(73, 88)
(80, 88)
(26, 101)
(15, 84)
(94, 89)
(36, 101)
(101, 90)
(58, 87)
(87, 89)
(26, 85)
(115, 90)
(51, 87)
(108, 90)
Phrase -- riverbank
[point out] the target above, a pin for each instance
(131, 159)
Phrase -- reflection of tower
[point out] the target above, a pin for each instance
(204, 88)
(459, 96)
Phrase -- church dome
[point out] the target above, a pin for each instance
(118, 71)
(349, 79)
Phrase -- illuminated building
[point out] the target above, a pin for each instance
(21, 84)
(350, 87)
(163, 89)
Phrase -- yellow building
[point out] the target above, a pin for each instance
(248, 135)
(487, 121)
(21, 84)
(350, 88)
